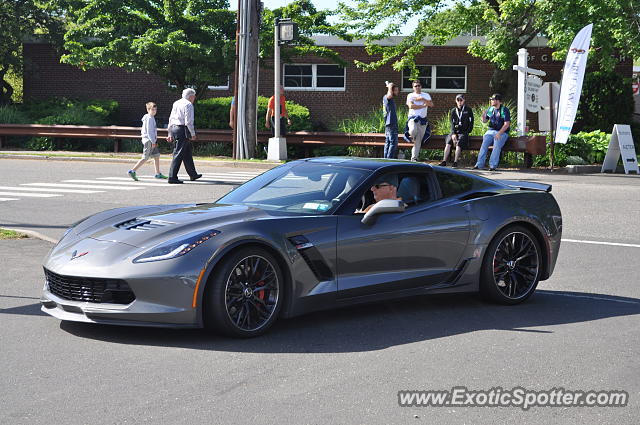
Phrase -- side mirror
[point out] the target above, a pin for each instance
(383, 207)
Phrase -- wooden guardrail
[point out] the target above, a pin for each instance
(534, 145)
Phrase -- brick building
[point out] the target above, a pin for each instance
(331, 93)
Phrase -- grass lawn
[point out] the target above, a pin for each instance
(10, 234)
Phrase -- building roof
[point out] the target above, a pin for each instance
(461, 41)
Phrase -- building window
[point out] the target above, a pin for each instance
(424, 75)
(317, 77)
(221, 84)
(438, 78)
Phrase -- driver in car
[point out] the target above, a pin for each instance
(385, 188)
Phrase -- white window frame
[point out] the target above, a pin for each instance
(434, 79)
(314, 78)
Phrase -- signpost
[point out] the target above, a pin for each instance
(523, 71)
(621, 143)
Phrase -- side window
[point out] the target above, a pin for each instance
(414, 188)
(452, 184)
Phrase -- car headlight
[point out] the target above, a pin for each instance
(176, 247)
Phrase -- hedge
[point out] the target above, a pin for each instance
(214, 113)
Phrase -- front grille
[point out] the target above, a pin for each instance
(94, 290)
(140, 224)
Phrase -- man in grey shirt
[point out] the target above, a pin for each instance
(181, 131)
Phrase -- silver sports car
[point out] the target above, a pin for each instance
(307, 235)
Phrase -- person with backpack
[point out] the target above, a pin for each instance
(499, 119)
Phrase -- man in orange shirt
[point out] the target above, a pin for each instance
(271, 112)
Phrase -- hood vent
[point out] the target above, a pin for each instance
(141, 225)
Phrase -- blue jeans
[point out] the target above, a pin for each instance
(390, 141)
(487, 141)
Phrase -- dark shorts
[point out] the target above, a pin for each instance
(463, 140)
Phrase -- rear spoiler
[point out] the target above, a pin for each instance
(524, 185)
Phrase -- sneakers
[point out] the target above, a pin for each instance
(196, 177)
(455, 165)
(475, 167)
(132, 174)
(443, 164)
(492, 169)
(160, 176)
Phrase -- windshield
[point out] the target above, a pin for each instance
(303, 188)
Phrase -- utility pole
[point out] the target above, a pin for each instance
(246, 86)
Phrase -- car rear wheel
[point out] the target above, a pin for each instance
(511, 267)
(244, 296)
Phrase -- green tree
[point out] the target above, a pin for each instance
(506, 25)
(311, 21)
(187, 42)
(21, 19)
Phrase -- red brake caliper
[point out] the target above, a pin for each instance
(261, 293)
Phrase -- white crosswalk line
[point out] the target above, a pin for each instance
(184, 178)
(129, 183)
(82, 186)
(29, 195)
(42, 189)
(8, 199)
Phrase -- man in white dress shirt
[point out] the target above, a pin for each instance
(417, 102)
(181, 131)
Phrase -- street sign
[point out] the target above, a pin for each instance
(621, 143)
(532, 96)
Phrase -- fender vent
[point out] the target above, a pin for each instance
(312, 257)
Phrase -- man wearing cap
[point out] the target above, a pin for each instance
(385, 188)
(181, 131)
(461, 119)
(499, 119)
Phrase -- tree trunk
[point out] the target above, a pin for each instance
(6, 91)
(505, 82)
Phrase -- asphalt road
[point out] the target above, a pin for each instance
(580, 331)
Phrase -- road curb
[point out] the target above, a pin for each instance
(583, 169)
(203, 162)
(32, 233)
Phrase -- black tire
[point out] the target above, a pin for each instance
(240, 302)
(511, 267)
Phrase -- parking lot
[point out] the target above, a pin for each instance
(580, 331)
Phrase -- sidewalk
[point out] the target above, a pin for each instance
(130, 157)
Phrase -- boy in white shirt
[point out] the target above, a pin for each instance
(417, 102)
(149, 133)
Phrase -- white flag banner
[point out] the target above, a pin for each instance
(571, 87)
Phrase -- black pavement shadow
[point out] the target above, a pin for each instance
(24, 310)
(382, 325)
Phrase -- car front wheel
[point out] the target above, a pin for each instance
(511, 267)
(244, 295)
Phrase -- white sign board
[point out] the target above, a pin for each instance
(533, 93)
(621, 143)
(549, 95)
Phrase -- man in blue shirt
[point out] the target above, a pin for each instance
(499, 119)
(390, 121)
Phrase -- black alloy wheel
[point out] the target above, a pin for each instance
(511, 267)
(245, 293)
